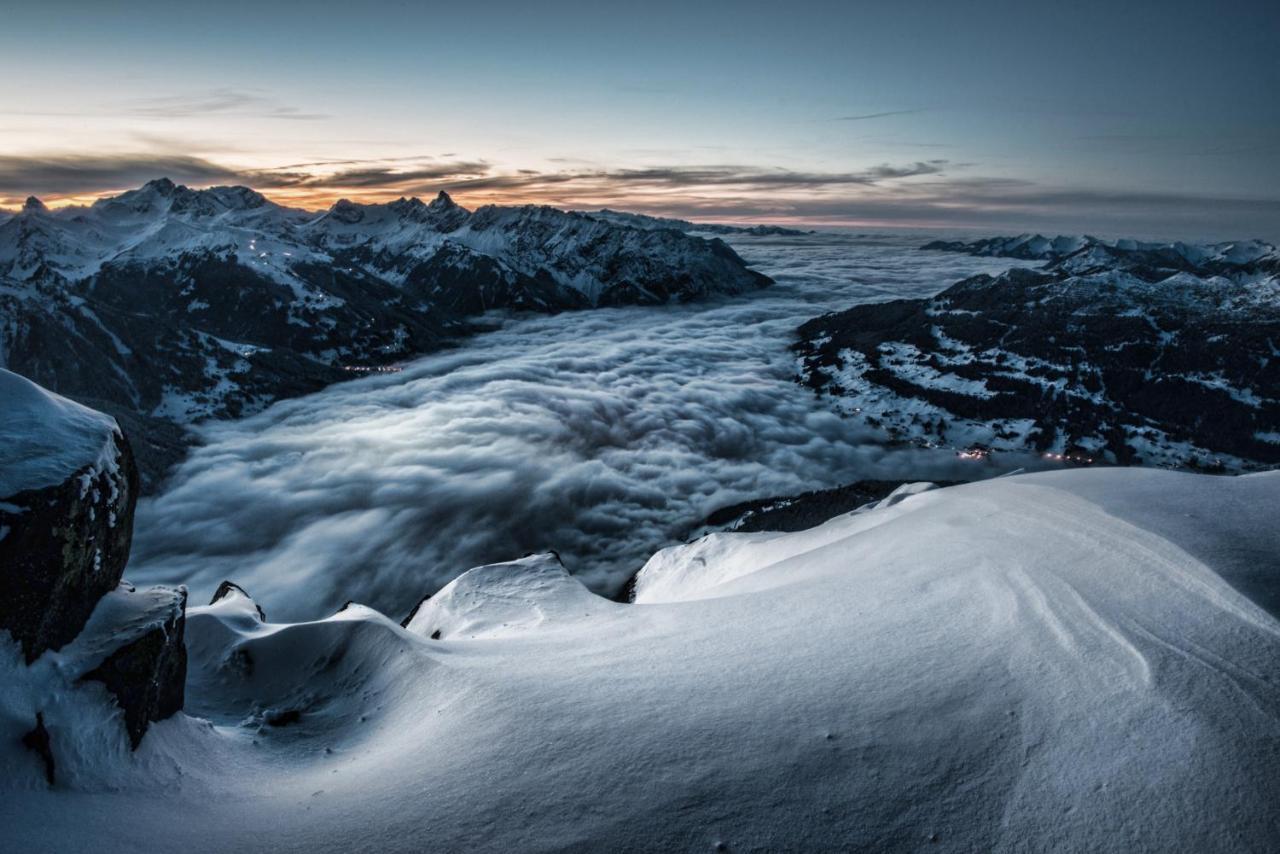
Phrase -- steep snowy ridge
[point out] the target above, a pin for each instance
(1083, 660)
(1125, 352)
(166, 305)
(607, 263)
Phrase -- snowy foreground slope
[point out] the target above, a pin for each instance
(1078, 660)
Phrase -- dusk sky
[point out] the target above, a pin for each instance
(1144, 119)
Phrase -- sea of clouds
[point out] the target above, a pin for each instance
(604, 435)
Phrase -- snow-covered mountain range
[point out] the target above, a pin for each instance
(653, 222)
(1119, 351)
(165, 305)
(1089, 252)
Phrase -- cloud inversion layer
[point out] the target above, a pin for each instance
(601, 434)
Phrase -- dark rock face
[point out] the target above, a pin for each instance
(37, 741)
(148, 675)
(466, 282)
(404, 624)
(626, 594)
(151, 368)
(1150, 355)
(65, 549)
(804, 511)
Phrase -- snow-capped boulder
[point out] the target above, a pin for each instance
(81, 710)
(68, 486)
(82, 648)
(146, 669)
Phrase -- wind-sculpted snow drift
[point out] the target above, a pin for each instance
(166, 305)
(1060, 661)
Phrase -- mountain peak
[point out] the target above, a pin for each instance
(33, 204)
(234, 197)
(407, 206)
(163, 186)
(443, 201)
(345, 210)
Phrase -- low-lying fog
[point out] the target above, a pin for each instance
(601, 434)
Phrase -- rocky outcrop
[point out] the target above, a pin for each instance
(66, 519)
(148, 675)
(37, 741)
(64, 550)
(800, 512)
(504, 599)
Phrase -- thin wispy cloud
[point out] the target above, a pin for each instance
(391, 177)
(744, 178)
(861, 117)
(212, 102)
(222, 101)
